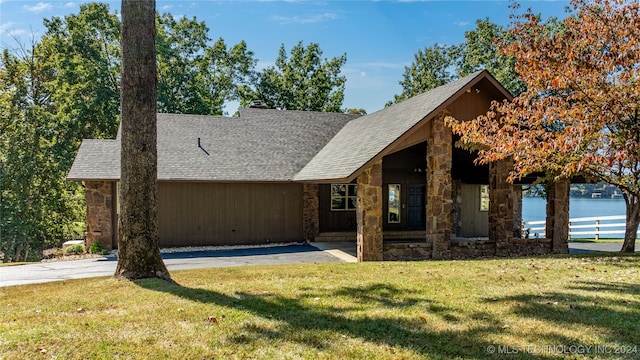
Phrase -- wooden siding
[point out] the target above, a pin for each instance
(467, 107)
(475, 102)
(193, 213)
(344, 220)
(474, 223)
(397, 168)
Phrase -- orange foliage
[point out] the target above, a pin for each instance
(580, 112)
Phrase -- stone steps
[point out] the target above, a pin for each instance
(388, 235)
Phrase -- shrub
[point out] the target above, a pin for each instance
(95, 248)
(74, 249)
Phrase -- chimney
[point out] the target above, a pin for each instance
(257, 104)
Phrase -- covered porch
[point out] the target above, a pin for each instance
(409, 194)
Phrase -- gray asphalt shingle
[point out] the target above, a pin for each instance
(364, 138)
(260, 145)
(271, 145)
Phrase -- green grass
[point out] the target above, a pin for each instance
(417, 310)
(14, 263)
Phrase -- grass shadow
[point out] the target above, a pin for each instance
(588, 304)
(320, 327)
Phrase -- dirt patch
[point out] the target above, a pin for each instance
(56, 254)
(73, 257)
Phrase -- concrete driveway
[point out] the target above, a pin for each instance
(284, 254)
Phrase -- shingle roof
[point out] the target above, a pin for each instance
(96, 159)
(259, 145)
(365, 138)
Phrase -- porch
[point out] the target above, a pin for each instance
(412, 245)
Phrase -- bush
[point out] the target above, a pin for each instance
(95, 248)
(74, 249)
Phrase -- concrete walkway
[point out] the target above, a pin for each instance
(611, 246)
(283, 254)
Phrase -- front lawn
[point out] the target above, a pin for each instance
(563, 307)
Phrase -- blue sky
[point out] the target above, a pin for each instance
(380, 38)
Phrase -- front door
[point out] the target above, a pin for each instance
(416, 207)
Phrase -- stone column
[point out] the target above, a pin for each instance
(310, 212)
(501, 224)
(369, 214)
(456, 211)
(439, 195)
(99, 199)
(517, 211)
(557, 226)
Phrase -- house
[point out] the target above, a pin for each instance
(392, 181)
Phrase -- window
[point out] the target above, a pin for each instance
(343, 197)
(394, 203)
(484, 197)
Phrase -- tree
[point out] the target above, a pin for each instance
(439, 64)
(480, 52)
(301, 82)
(580, 114)
(55, 93)
(354, 111)
(194, 77)
(431, 68)
(82, 53)
(37, 208)
(66, 87)
(138, 252)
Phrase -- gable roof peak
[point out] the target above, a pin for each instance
(367, 137)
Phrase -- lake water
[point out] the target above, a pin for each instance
(534, 208)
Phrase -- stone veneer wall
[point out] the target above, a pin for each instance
(456, 212)
(439, 188)
(407, 251)
(369, 214)
(517, 211)
(99, 199)
(310, 212)
(557, 225)
(501, 224)
(465, 249)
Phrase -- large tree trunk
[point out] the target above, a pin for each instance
(633, 220)
(138, 253)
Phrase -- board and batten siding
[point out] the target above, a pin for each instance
(475, 223)
(199, 213)
(344, 220)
